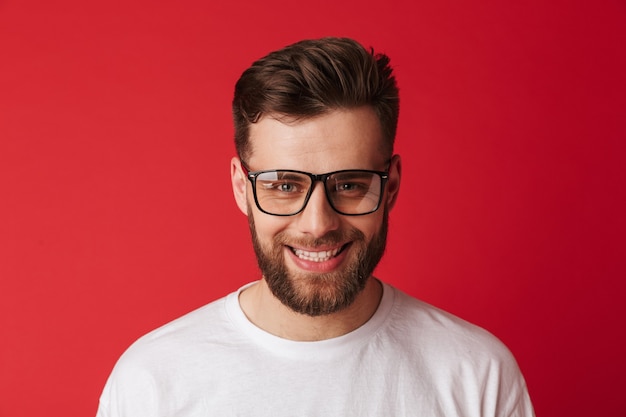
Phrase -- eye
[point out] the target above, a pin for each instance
(282, 187)
(287, 187)
(351, 188)
(353, 184)
(348, 186)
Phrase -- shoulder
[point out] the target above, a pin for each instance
(457, 359)
(172, 342)
(136, 380)
(435, 332)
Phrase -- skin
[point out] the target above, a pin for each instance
(340, 139)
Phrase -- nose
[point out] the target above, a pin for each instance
(318, 217)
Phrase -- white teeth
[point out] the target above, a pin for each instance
(315, 256)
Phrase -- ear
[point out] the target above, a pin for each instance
(393, 183)
(240, 185)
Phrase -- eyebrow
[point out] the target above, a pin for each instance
(283, 175)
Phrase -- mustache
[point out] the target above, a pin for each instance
(334, 237)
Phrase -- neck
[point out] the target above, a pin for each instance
(268, 313)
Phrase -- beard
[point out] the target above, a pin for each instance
(317, 294)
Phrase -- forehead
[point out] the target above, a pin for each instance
(339, 139)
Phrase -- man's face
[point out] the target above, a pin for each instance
(317, 262)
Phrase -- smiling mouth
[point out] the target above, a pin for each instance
(317, 256)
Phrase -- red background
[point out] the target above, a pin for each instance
(116, 213)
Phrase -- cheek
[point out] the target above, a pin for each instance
(369, 225)
(266, 226)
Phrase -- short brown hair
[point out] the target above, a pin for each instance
(312, 77)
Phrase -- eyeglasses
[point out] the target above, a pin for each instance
(285, 192)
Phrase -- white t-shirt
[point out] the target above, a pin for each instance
(409, 359)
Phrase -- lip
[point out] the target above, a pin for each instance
(315, 265)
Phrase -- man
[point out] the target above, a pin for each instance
(317, 335)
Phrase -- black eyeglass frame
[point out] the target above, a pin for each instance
(252, 176)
